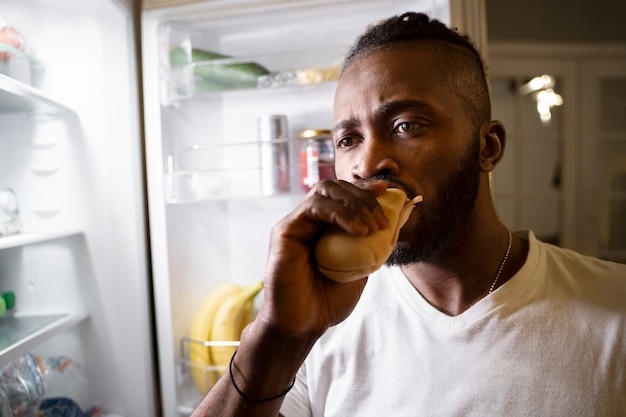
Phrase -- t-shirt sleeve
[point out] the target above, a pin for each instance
(296, 403)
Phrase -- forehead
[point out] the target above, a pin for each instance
(406, 72)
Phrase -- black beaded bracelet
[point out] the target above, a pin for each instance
(253, 400)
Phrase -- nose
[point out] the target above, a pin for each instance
(374, 159)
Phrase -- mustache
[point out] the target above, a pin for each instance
(394, 183)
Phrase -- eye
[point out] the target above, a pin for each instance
(345, 142)
(405, 127)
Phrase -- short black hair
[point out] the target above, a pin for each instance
(461, 64)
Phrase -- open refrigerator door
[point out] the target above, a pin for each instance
(238, 99)
(73, 248)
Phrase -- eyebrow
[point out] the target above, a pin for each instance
(395, 106)
(385, 108)
(346, 124)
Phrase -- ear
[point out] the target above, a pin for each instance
(492, 142)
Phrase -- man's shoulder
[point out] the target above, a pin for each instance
(582, 262)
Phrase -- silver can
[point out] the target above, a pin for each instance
(273, 154)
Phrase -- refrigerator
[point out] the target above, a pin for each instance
(226, 159)
(150, 152)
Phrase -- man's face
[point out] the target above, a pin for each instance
(395, 118)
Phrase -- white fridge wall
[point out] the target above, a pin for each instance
(198, 245)
(87, 167)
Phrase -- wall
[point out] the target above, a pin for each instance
(556, 20)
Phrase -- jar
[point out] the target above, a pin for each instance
(317, 157)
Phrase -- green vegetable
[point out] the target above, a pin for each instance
(202, 85)
(178, 56)
(216, 76)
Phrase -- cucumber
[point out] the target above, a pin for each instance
(231, 76)
(237, 75)
(202, 85)
(178, 56)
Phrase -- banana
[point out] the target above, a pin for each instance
(201, 331)
(247, 315)
(231, 317)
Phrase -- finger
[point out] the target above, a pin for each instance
(352, 208)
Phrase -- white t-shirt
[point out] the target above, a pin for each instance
(549, 342)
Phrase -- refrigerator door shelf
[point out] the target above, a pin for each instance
(22, 332)
(195, 378)
(19, 98)
(231, 170)
(29, 238)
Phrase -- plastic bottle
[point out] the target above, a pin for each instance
(24, 381)
(5, 405)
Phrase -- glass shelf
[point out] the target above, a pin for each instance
(186, 78)
(22, 332)
(19, 98)
(23, 239)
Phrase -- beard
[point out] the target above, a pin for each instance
(447, 213)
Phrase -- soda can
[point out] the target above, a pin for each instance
(273, 154)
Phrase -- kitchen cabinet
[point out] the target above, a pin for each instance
(603, 167)
(564, 179)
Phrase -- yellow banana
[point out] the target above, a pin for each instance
(248, 314)
(201, 331)
(232, 316)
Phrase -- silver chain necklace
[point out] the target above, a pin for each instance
(506, 257)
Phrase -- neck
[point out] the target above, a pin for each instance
(457, 282)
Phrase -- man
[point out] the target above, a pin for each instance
(467, 319)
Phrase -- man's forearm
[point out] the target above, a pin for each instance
(263, 368)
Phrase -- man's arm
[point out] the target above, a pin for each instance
(299, 303)
(263, 367)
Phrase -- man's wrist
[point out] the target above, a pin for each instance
(266, 362)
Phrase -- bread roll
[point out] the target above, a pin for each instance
(343, 257)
